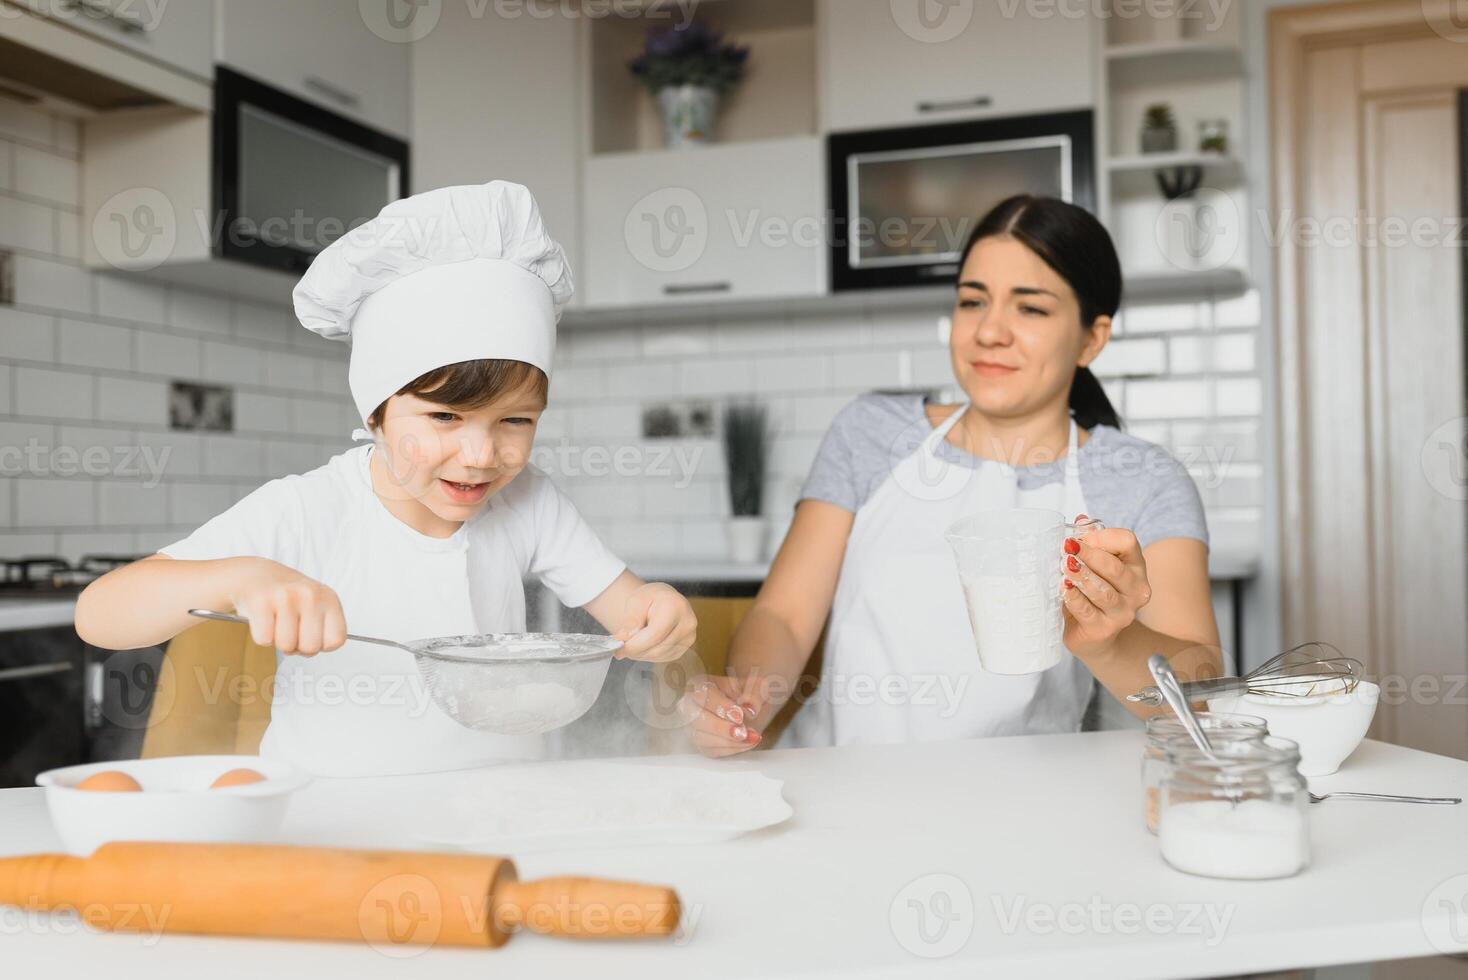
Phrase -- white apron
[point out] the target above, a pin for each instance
(362, 709)
(900, 660)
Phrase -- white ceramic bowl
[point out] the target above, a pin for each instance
(1327, 727)
(176, 803)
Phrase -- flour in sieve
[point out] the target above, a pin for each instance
(519, 709)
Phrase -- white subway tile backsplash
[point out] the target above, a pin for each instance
(647, 381)
(178, 454)
(795, 372)
(743, 334)
(1160, 317)
(124, 297)
(1131, 358)
(191, 504)
(866, 369)
(232, 455)
(1228, 352)
(27, 336)
(22, 122)
(98, 345)
(7, 503)
(233, 363)
(51, 176)
(811, 414)
(27, 225)
(1239, 397)
(284, 458)
(66, 135)
(919, 331)
(44, 393)
(257, 321)
(7, 151)
(297, 372)
(714, 376)
(312, 416)
(262, 413)
(131, 400)
(190, 310)
(1166, 399)
(168, 355)
(28, 543)
(1241, 311)
(127, 504)
(43, 503)
(59, 286)
(68, 237)
(74, 545)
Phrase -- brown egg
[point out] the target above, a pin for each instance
(237, 777)
(110, 781)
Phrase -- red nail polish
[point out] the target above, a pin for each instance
(1072, 546)
(1069, 584)
(1072, 564)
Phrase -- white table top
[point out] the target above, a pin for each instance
(1044, 834)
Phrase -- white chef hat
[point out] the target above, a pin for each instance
(449, 275)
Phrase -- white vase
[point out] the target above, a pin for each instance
(747, 539)
(688, 115)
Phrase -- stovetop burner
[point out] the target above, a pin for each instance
(40, 575)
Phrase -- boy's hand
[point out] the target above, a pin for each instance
(658, 624)
(288, 611)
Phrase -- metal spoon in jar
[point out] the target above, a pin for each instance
(1172, 693)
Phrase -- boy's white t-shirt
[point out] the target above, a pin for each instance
(362, 709)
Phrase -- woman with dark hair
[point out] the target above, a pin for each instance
(1038, 286)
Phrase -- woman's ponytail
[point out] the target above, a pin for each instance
(1088, 402)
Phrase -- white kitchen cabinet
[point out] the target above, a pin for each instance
(476, 119)
(322, 51)
(178, 34)
(911, 62)
(730, 221)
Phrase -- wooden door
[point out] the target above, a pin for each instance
(1367, 234)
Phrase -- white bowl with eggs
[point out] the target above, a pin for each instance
(176, 800)
(1327, 727)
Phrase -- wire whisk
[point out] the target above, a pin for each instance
(1309, 670)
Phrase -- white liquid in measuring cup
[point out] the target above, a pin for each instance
(1016, 621)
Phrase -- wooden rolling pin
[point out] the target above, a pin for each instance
(391, 898)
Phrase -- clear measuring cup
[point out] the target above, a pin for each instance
(1009, 564)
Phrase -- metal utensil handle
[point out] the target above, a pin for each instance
(227, 618)
(1392, 798)
(1167, 682)
(1194, 690)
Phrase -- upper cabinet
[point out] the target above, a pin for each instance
(177, 34)
(469, 85)
(909, 62)
(742, 221)
(329, 52)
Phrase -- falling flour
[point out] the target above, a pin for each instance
(1249, 839)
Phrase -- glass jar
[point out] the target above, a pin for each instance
(1163, 728)
(1242, 814)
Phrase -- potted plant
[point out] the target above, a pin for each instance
(688, 69)
(1159, 129)
(746, 452)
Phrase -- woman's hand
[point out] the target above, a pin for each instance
(658, 624)
(721, 711)
(287, 610)
(1105, 584)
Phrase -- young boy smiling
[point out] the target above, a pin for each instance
(450, 301)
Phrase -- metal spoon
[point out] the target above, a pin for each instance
(1172, 693)
(1387, 797)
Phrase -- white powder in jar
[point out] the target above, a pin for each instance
(1253, 838)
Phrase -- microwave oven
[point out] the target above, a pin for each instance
(290, 177)
(904, 201)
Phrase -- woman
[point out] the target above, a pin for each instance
(1039, 284)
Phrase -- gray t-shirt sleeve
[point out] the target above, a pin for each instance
(1173, 507)
(866, 439)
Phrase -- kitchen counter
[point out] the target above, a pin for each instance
(1035, 847)
(25, 613)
